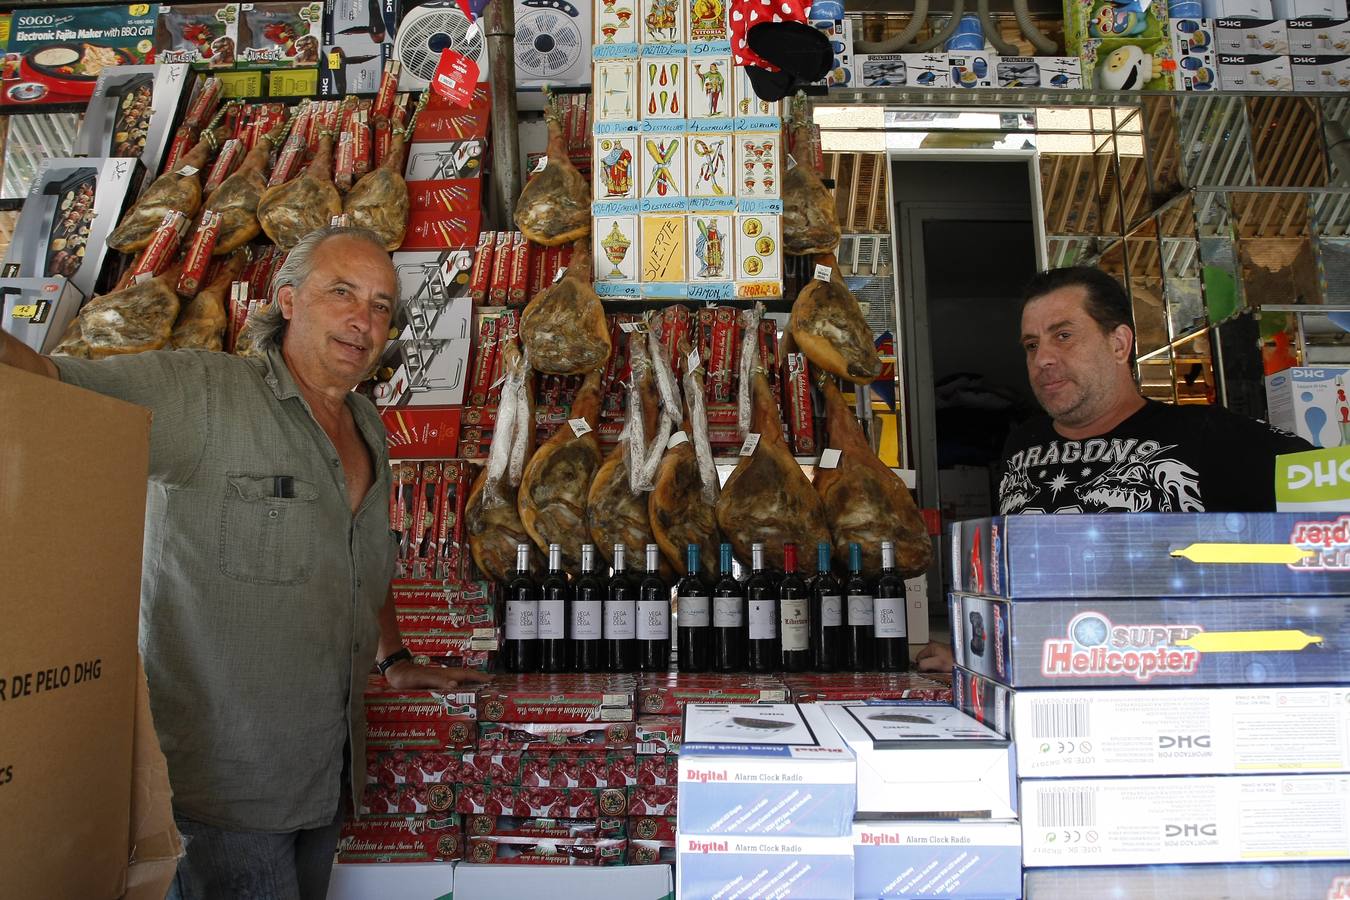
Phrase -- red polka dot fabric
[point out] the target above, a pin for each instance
(746, 14)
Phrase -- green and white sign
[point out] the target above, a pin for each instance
(1313, 481)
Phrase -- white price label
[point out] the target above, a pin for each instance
(751, 442)
(822, 273)
(579, 426)
(676, 440)
(187, 170)
(540, 166)
(829, 458)
(693, 362)
(791, 162)
(558, 276)
(630, 327)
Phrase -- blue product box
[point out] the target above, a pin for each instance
(1238, 881)
(764, 769)
(964, 860)
(790, 868)
(985, 701)
(1136, 643)
(1152, 554)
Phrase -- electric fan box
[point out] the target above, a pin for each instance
(929, 761)
(1198, 731)
(804, 868)
(1313, 402)
(764, 769)
(1152, 821)
(960, 860)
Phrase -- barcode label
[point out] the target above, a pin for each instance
(650, 748)
(1066, 808)
(1060, 719)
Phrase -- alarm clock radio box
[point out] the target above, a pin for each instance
(972, 859)
(806, 868)
(1237, 881)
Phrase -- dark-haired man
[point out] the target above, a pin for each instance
(1101, 447)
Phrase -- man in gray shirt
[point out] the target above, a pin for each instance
(265, 589)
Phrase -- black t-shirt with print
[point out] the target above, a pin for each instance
(1163, 458)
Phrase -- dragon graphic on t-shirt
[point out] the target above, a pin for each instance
(1150, 483)
(1015, 490)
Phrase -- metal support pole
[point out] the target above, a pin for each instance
(499, 21)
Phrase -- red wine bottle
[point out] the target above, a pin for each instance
(728, 618)
(794, 616)
(555, 609)
(520, 648)
(762, 648)
(859, 632)
(888, 615)
(620, 617)
(653, 617)
(827, 618)
(587, 623)
(693, 617)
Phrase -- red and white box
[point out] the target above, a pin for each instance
(557, 803)
(521, 826)
(438, 734)
(402, 839)
(407, 799)
(586, 770)
(506, 701)
(538, 852)
(659, 735)
(651, 853)
(561, 735)
(482, 767)
(416, 767)
(658, 770)
(650, 800)
(652, 828)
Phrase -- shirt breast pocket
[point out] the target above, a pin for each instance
(266, 539)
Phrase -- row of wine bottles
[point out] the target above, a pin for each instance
(771, 622)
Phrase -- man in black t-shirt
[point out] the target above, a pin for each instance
(1103, 447)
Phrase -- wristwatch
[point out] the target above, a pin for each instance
(394, 659)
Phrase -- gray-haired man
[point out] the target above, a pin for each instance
(268, 557)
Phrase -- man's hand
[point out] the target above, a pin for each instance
(408, 676)
(936, 657)
(14, 352)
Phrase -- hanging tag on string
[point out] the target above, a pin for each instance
(540, 165)
(751, 442)
(579, 426)
(676, 440)
(456, 78)
(694, 361)
(829, 459)
(558, 276)
(823, 273)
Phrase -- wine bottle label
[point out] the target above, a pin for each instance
(620, 620)
(552, 620)
(859, 609)
(889, 616)
(763, 620)
(694, 612)
(831, 611)
(587, 620)
(727, 612)
(794, 615)
(521, 621)
(653, 620)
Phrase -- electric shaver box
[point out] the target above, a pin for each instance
(929, 761)
(1196, 731)
(764, 769)
(1119, 555)
(1151, 643)
(793, 868)
(1151, 821)
(1238, 881)
(973, 859)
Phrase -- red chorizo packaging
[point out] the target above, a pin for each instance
(163, 247)
(651, 828)
(561, 803)
(481, 277)
(651, 853)
(501, 269)
(520, 270)
(550, 852)
(531, 735)
(461, 643)
(652, 800)
(585, 769)
(435, 734)
(526, 826)
(385, 704)
(401, 839)
(444, 596)
(199, 253)
(516, 702)
(456, 618)
(231, 152)
(658, 770)
(416, 767)
(659, 735)
(380, 799)
(797, 404)
(671, 696)
(489, 767)
(861, 687)
(722, 359)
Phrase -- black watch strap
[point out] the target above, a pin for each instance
(393, 659)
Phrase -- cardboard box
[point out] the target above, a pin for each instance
(1057, 72)
(82, 768)
(1309, 9)
(1312, 403)
(968, 860)
(65, 196)
(1321, 74)
(38, 310)
(1151, 555)
(1243, 36)
(1250, 72)
(1318, 37)
(574, 735)
(553, 803)
(415, 881)
(669, 696)
(507, 702)
(487, 882)
(658, 735)
(924, 70)
(358, 41)
(530, 851)
(1197, 66)
(1152, 821)
(120, 97)
(402, 839)
(806, 868)
(422, 432)
(1131, 643)
(1313, 481)
(129, 30)
(931, 761)
(972, 70)
(1199, 731)
(984, 700)
(749, 769)
(1239, 881)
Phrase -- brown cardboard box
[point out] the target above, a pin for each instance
(82, 778)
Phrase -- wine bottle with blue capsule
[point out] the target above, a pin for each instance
(728, 617)
(693, 617)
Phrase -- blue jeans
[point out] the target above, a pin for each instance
(254, 865)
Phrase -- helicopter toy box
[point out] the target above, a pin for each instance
(1149, 555)
(764, 769)
(1146, 643)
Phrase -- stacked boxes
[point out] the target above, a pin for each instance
(767, 802)
(1073, 636)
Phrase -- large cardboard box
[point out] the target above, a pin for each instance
(486, 882)
(82, 781)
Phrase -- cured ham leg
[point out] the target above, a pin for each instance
(828, 325)
(563, 329)
(307, 202)
(179, 190)
(379, 201)
(810, 222)
(555, 206)
(201, 324)
(132, 320)
(864, 500)
(491, 515)
(557, 479)
(238, 196)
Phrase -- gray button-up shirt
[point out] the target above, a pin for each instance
(259, 611)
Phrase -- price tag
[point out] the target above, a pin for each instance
(630, 327)
(471, 32)
(823, 273)
(335, 62)
(540, 166)
(26, 311)
(187, 170)
(829, 459)
(694, 360)
(579, 426)
(558, 276)
(751, 442)
(676, 440)
(456, 78)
